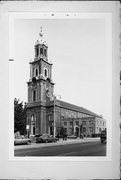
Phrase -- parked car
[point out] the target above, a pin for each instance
(45, 138)
(33, 138)
(103, 136)
(21, 140)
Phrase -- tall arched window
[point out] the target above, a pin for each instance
(45, 52)
(45, 73)
(41, 50)
(37, 52)
(34, 95)
(36, 72)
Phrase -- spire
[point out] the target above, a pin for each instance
(41, 47)
(41, 35)
(40, 40)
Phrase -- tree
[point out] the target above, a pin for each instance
(19, 117)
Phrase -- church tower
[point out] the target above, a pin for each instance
(40, 88)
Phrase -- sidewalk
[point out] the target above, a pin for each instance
(60, 142)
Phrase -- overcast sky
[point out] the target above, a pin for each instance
(77, 49)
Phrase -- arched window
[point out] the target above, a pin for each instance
(45, 52)
(34, 95)
(37, 52)
(41, 50)
(32, 117)
(36, 72)
(45, 73)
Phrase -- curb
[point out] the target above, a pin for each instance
(60, 142)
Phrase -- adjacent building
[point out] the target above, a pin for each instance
(46, 113)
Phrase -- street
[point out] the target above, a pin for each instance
(77, 149)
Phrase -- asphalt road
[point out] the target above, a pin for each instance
(78, 149)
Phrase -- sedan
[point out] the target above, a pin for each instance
(45, 138)
(21, 141)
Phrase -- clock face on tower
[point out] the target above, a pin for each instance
(49, 93)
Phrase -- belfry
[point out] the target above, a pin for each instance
(40, 85)
(45, 113)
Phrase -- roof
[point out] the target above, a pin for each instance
(75, 108)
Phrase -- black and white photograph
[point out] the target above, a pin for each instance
(61, 87)
(60, 90)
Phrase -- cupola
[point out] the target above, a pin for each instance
(41, 48)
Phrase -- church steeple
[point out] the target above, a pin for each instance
(40, 89)
(41, 48)
(40, 73)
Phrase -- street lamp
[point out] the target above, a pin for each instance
(27, 128)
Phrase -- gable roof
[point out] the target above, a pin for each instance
(73, 107)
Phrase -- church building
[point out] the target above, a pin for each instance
(46, 113)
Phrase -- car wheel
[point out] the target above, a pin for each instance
(101, 141)
(46, 141)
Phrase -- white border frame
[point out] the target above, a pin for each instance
(36, 15)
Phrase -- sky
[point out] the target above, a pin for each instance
(77, 49)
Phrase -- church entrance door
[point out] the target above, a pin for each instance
(51, 130)
(77, 132)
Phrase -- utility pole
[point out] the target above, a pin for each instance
(53, 98)
(54, 121)
(54, 124)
